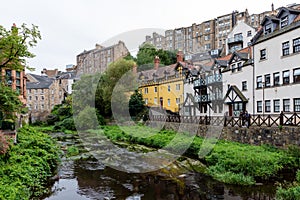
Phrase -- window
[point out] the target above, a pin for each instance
(146, 101)
(296, 45)
(259, 82)
(42, 107)
(285, 48)
(233, 68)
(267, 80)
(249, 33)
(276, 105)
(155, 100)
(286, 77)
(155, 89)
(268, 106)
(169, 102)
(244, 85)
(42, 97)
(18, 74)
(177, 101)
(8, 76)
(286, 105)
(276, 79)
(36, 98)
(297, 75)
(259, 106)
(284, 21)
(30, 98)
(297, 105)
(263, 54)
(177, 86)
(268, 29)
(239, 68)
(169, 88)
(146, 90)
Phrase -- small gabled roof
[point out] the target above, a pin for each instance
(239, 95)
(290, 10)
(271, 18)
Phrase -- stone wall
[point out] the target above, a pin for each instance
(254, 135)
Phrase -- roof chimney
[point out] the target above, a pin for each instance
(179, 56)
(156, 62)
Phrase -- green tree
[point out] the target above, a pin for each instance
(147, 52)
(110, 78)
(15, 44)
(9, 105)
(14, 49)
(136, 105)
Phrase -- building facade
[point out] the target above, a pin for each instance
(162, 87)
(98, 59)
(43, 94)
(276, 61)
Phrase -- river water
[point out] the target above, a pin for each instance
(91, 179)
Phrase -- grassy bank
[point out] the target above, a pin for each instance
(27, 166)
(228, 162)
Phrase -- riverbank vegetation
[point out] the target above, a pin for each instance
(27, 166)
(228, 162)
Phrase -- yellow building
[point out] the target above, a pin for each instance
(163, 86)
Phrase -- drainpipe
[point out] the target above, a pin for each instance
(253, 89)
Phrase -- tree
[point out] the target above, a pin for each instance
(14, 49)
(15, 44)
(110, 79)
(136, 105)
(9, 105)
(147, 52)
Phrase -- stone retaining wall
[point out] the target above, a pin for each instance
(253, 135)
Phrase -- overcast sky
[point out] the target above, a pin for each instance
(70, 26)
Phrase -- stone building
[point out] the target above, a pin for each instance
(209, 35)
(98, 59)
(43, 94)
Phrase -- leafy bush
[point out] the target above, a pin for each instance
(51, 119)
(26, 167)
(66, 124)
(72, 151)
(291, 192)
(85, 119)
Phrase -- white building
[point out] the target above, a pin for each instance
(240, 37)
(238, 83)
(277, 64)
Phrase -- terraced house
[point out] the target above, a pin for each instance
(276, 62)
(162, 87)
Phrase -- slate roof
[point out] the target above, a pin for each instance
(43, 82)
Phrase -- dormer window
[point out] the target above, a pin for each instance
(284, 21)
(268, 29)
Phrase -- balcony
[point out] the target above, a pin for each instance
(235, 39)
(202, 98)
(216, 96)
(199, 83)
(215, 78)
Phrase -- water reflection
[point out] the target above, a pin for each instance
(89, 179)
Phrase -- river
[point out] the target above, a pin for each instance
(89, 178)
